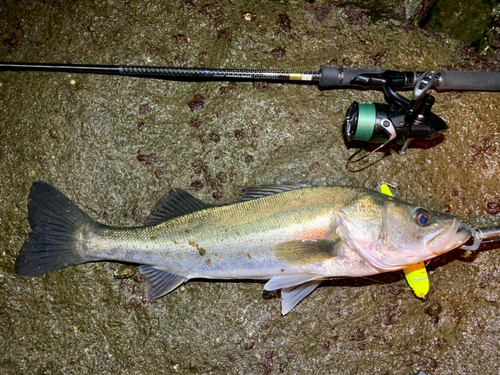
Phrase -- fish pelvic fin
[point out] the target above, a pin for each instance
(294, 288)
(290, 297)
(160, 282)
(176, 203)
(288, 281)
(55, 223)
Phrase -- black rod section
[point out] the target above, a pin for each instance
(220, 74)
(68, 68)
(169, 72)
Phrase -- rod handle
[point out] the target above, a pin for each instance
(341, 77)
(468, 81)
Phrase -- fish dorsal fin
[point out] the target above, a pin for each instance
(255, 192)
(302, 253)
(290, 297)
(160, 282)
(174, 204)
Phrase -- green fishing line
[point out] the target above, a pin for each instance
(366, 122)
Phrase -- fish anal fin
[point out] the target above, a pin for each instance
(302, 253)
(174, 204)
(160, 282)
(290, 297)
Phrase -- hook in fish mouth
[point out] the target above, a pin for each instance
(447, 238)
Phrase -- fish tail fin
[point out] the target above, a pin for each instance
(55, 223)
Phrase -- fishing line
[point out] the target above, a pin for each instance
(350, 162)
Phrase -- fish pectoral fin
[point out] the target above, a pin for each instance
(160, 282)
(302, 253)
(174, 204)
(288, 281)
(290, 297)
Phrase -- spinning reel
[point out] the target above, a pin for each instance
(399, 120)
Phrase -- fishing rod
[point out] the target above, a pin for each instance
(398, 120)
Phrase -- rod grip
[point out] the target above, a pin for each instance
(336, 77)
(329, 76)
(468, 81)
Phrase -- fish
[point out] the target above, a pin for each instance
(293, 235)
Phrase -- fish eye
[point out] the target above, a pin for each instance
(422, 216)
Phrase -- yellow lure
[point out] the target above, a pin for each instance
(416, 274)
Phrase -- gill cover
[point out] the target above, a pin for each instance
(361, 223)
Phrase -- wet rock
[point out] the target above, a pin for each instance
(268, 362)
(54, 133)
(214, 137)
(198, 103)
(434, 310)
(320, 11)
(159, 173)
(260, 86)
(284, 24)
(180, 38)
(360, 337)
(147, 159)
(125, 272)
(270, 294)
(249, 159)
(492, 208)
(240, 134)
(227, 89)
(197, 185)
(144, 109)
(249, 345)
(358, 17)
(278, 53)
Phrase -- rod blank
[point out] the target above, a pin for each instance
(169, 72)
(68, 68)
(327, 77)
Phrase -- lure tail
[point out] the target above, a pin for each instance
(56, 224)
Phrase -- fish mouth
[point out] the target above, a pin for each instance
(447, 238)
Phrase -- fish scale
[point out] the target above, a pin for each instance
(236, 238)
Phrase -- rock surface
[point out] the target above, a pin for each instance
(115, 145)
